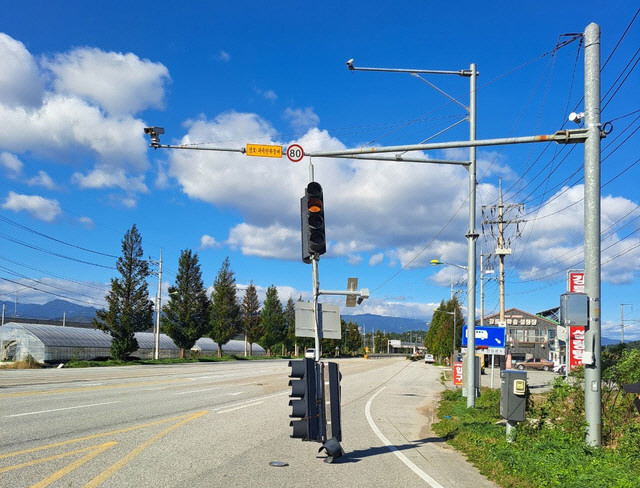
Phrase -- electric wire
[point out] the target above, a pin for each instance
(28, 229)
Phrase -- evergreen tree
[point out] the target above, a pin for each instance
(250, 309)
(273, 320)
(225, 317)
(290, 319)
(439, 339)
(353, 338)
(129, 308)
(186, 315)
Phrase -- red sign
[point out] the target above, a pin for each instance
(576, 346)
(457, 374)
(575, 281)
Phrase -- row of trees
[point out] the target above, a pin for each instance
(190, 314)
(440, 336)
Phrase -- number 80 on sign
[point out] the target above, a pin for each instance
(295, 153)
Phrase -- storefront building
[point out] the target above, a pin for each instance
(528, 336)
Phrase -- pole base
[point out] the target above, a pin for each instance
(333, 448)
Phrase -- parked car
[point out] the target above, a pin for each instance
(310, 353)
(428, 358)
(543, 364)
(559, 368)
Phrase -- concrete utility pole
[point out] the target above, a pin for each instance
(156, 329)
(592, 259)
(622, 321)
(502, 248)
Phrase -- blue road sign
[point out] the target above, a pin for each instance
(491, 337)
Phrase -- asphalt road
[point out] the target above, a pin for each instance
(219, 424)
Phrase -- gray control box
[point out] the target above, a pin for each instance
(513, 395)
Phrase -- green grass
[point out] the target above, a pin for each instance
(203, 359)
(541, 455)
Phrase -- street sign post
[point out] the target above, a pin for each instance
(491, 339)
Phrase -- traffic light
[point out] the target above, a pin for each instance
(303, 403)
(314, 241)
(334, 400)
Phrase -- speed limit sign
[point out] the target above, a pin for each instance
(295, 153)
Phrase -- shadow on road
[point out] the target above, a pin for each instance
(355, 456)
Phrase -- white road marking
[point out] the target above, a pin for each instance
(433, 483)
(197, 391)
(60, 409)
(239, 407)
(235, 393)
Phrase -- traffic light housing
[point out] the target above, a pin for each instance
(304, 400)
(314, 241)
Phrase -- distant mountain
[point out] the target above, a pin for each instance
(386, 324)
(53, 310)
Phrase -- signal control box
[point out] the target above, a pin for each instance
(513, 395)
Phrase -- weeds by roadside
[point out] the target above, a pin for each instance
(549, 448)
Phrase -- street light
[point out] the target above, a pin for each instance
(435, 262)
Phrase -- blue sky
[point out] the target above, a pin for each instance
(80, 80)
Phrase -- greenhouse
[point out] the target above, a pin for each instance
(53, 343)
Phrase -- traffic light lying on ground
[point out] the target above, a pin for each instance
(304, 400)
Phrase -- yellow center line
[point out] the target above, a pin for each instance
(74, 465)
(88, 388)
(106, 474)
(100, 447)
(94, 436)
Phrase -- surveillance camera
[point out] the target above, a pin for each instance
(154, 133)
(350, 64)
(576, 117)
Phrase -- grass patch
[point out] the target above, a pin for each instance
(542, 455)
(28, 363)
(132, 362)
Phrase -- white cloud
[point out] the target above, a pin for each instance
(21, 83)
(83, 112)
(208, 242)
(39, 207)
(106, 177)
(11, 162)
(224, 56)
(267, 242)
(267, 94)
(553, 238)
(87, 222)
(376, 259)
(120, 83)
(42, 179)
(368, 205)
(301, 119)
(270, 95)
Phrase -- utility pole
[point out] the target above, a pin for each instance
(592, 258)
(622, 321)
(156, 329)
(503, 246)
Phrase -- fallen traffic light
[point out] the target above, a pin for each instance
(304, 400)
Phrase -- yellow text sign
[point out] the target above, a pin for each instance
(264, 151)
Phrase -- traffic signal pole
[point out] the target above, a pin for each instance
(472, 237)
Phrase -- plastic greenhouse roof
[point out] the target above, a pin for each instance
(57, 336)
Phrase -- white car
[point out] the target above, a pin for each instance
(310, 353)
(428, 358)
